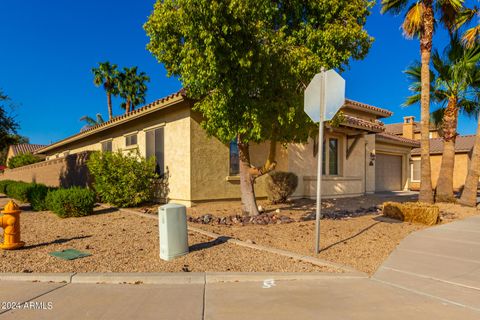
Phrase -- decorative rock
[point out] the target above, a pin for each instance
(250, 241)
(277, 211)
(260, 209)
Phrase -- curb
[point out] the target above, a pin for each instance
(140, 278)
(194, 278)
(41, 277)
(293, 255)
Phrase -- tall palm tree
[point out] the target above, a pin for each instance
(106, 74)
(470, 189)
(453, 87)
(132, 87)
(91, 122)
(471, 35)
(419, 22)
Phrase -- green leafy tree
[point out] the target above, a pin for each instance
(246, 64)
(455, 84)
(132, 87)
(419, 22)
(90, 122)
(8, 126)
(106, 75)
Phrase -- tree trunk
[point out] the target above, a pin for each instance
(426, 194)
(469, 194)
(127, 106)
(249, 202)
(109, 103)
(445, 180)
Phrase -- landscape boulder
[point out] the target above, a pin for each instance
(417, 212)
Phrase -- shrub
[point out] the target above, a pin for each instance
(18, 190)
(22, 159)
(36, 195)
(124, 180)
(280, 185)
(4, 184)
(74, 202)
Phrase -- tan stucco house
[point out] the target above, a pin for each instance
(360, 157)
(463, 152)
(17, 149)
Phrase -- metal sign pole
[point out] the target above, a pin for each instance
(320, 160)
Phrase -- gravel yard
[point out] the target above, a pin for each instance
(362, 242)
(122, 242)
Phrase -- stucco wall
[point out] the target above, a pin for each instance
(64, 172)
(462, 163)
(176, 123)
(210, 178)
(350, 181)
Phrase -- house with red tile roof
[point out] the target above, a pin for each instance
(16, 149)
(359, 156)
(463, 151)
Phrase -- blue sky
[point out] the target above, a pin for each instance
(49, 47)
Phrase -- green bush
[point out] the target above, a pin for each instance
(36, 195)
(26, 192)
(124, 180)
(22, 159)
(18, 190)
(280, 185)
(4, 184)
(74, 202)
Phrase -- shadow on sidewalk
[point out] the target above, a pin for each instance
(209, 244)
(57, 241)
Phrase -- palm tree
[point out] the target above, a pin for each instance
(91, 122)
(132, 87)
(453, 88)
(469, 194)
(471, 36)
(419, 22)
(106, 74)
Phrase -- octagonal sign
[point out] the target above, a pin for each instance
(327, 87)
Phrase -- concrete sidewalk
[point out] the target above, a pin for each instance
(442, 262)
(323, 296)
(433, 274)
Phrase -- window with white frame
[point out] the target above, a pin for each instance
(107, 146)
(131, 140)
(155, 147)
(331, 156)
(415, 170)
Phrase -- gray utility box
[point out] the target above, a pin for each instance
(172, 225)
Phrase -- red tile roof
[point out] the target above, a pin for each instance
(366, 107)
(155, 105)
(25, 148)
(397, 128)
(355, 122)
(388, 137)
(463, 144)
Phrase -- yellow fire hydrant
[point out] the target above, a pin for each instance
(10, 222)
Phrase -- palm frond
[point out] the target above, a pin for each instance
(470, 36)
(413, 22)
(436, 117)
(393, 6)
(449, 11)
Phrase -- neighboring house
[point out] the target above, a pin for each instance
(16, 149)
(463, 150)
(359, 157)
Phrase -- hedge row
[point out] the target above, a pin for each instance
(73, 202)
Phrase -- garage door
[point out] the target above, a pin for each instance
(388, 172)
